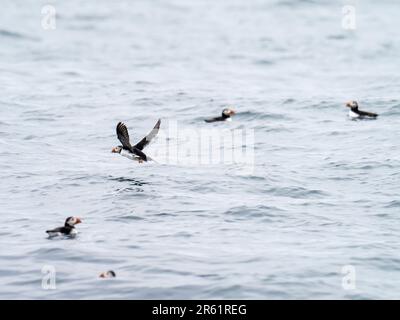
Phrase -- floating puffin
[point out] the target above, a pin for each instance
(354, 113)
(226, 116)
(107, 274)
(134, 152)
(67, 230)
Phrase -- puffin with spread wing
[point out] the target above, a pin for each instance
(134, 152)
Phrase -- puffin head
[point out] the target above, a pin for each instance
(116, 150)
(352, 104)
(107, 274)
(72, 221)
(226, 113)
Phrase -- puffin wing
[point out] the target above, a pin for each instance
(368, 114)
(214, 119)
(123, 135)
(150, 136)
(55, 231)
(139, 153)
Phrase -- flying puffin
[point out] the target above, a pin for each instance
(226, 116)
(134, 152)
(354, 113)
(67, 230)
(107, 274)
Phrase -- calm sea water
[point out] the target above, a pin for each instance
(324, 194)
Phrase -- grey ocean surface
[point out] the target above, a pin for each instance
(324, 193)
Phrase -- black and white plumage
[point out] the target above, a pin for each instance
(108, 274)
(225, 116)
(355, 113)
(134, 152)
(67, 230)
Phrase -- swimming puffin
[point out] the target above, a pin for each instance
(107, 274)
(67, 230)
(354, 113)
(134, 152)
(226, 116)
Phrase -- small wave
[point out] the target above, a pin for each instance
(125, 217)
(263, 62)
(255, 115)
(289, 101)
(164, 214)
(131, 181)
(262, 211)
(393, 110)
(320, 105)
(297, 192)
(393, 204)
(40, 119)
(71, 73)
(15, 35)
(86, 17)
(294, 3)
(339, 36)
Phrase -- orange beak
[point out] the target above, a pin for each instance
(78, 220)
(348, 104)
(232, 112)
